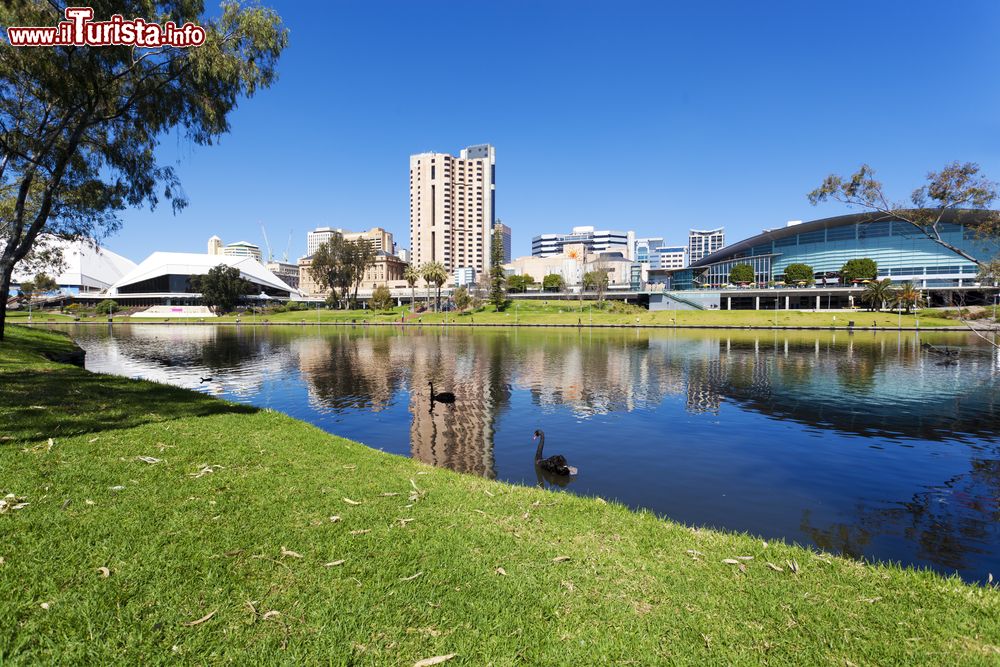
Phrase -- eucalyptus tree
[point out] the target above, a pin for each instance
(79, 126)
(950, 193)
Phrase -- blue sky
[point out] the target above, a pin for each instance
(651, 116)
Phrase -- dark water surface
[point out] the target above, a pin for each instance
(858, 444)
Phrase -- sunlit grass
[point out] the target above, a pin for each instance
(212, 524)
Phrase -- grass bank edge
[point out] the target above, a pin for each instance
(648, 573)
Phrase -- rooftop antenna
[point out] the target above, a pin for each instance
(270, 255)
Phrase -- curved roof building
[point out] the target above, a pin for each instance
(167, 274)
(901, 251)
(85, 267)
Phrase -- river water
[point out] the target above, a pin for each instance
(863, 444)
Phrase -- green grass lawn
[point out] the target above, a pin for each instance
(222, 547)
(571, 313)
(568, 312)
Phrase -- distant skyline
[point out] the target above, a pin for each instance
(633, 116)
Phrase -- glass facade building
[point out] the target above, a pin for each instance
(901, 251)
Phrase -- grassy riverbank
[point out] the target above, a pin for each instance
(571, 313)
(220, 547)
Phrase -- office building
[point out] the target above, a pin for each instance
(669, 257)
(595, 241)
(505, 237)
(288, 272)
(703, 242)
(242, 249)
(377, 237)
(385, 270)
(452, 208)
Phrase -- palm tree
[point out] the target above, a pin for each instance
(907, 296)
(434, 272)
(878, 293)
(411, 276)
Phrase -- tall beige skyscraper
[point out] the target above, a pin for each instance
(452, 208)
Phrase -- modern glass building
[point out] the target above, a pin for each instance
(901, 251)
(595, 240)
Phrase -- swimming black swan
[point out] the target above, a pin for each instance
(443, 397)
(206, 379)
(554, 464)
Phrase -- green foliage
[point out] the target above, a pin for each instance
(877, 294)
(553, 282)
(907, 296)
(72, 308)
(799, 273)
(222, 287)
(856, 270)
(106, 307)
(41, 284)
(462, 298)
(519, 283)
(339, 264)
(596, 280)
(498, 279)
(81, 126)
(741, 273)
(381, 298)
(435, 274)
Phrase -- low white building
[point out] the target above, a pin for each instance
(165, 278)
(84, 268)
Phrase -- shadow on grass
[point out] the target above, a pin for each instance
(89, 402)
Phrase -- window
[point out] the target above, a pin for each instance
(812, 237)
(846, 232)
(873, 230)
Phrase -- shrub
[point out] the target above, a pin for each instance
(381, 298)
(293, 306)
(462, 298)
(105, 307)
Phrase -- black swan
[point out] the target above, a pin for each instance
(554, 464)
(206, 379)
(443, 397)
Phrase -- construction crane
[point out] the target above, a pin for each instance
(270, 255)
(288, 245)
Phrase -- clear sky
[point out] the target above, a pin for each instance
(652, 116)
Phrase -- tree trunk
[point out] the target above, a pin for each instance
(437, 304)
(5, 277)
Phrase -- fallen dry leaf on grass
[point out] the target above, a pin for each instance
(388, 494)
(271, 614)
(436, 660)
(501, 571)
(560, 559)
(289, 553)
(149, 459)
(600, 500)
(695, 552)
(351, 467)
(730, 561)
(200, 620)
(411, 577)
(403, 522)
(12, 503)
(205, 470)
(361, 532)
(334, 563)
(793, 566)
(351, 502)
(104, 572)
(334, 519)
(89, 502)
(44, 605)
(117, 488)
(775, 567)
(744, 557)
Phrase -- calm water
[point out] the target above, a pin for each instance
(860, 444)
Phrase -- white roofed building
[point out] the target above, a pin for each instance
(85, 268)
(164, 278)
